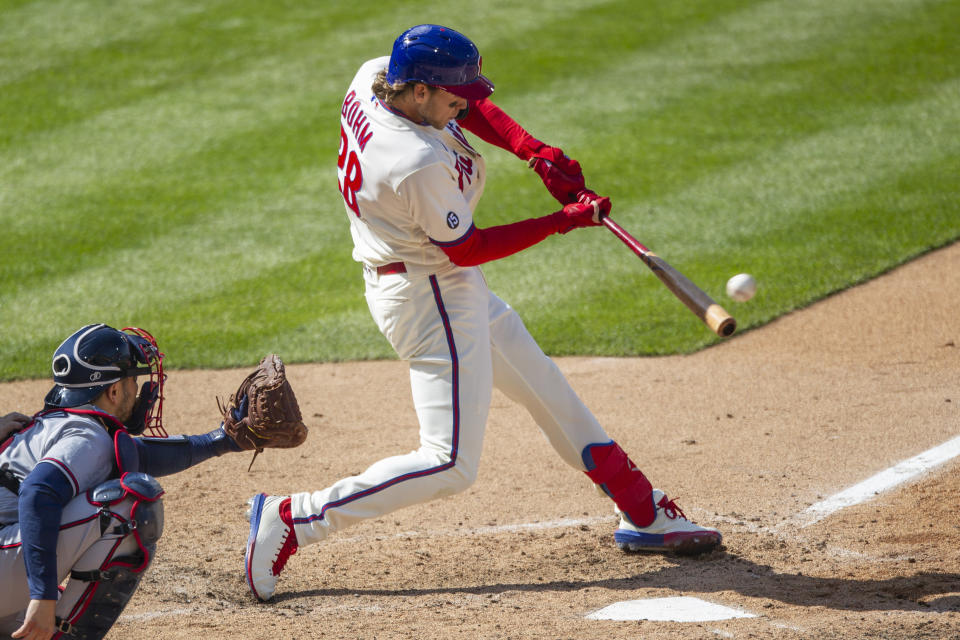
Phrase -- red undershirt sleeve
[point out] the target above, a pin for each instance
(477, 246)
(489, 122)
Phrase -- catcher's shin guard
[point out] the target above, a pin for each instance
(613, 471)
(107, 575)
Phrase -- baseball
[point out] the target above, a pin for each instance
(741, 287)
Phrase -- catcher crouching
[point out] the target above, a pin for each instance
(80, 503)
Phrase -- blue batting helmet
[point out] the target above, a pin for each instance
(440, 57)
(92, 359)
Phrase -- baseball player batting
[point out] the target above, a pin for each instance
(78, 491)
(411, 181)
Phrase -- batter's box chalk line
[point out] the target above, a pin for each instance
(877, 484)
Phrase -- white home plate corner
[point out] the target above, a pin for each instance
(680, 609)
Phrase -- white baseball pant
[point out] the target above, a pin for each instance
(460, 340)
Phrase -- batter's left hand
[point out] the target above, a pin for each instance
(560, 173)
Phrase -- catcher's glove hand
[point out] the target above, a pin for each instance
(263, 412)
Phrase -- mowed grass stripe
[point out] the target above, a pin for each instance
(833, 186)
(42, 34)
(681, 151)
(158, 131)
(172, 47)
(832, 166)
(771, 50)
(141, 169)
(202, 255)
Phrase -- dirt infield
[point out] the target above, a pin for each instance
(745, 435)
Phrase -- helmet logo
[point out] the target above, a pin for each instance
(61, 365)
(96, 375)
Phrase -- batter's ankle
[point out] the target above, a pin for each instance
(613, 471)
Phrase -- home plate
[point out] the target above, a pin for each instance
(682, 609)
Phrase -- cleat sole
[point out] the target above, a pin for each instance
(680, 543)
(256, 509)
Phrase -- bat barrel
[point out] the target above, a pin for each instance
(701, 304)
(721, 322)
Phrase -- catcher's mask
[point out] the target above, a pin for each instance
(95, 357)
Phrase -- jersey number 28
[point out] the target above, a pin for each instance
(349, 174)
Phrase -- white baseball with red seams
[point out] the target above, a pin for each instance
(741, 287)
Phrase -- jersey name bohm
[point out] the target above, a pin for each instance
(356, 119)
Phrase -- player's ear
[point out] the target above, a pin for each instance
(421, 91)
(111, 394)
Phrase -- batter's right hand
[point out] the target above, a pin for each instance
(587, 196)
(582, 214)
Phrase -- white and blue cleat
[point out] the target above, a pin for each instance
(270, 545)
(670, 531)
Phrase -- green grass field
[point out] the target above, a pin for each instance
(171, 164)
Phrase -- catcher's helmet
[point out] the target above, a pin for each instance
(95, 357)
(440, 57)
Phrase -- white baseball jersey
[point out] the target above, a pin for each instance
(408, 187)
(399, 197)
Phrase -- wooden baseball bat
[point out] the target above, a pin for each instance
(702, 305)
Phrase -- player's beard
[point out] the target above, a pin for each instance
(432, 119)
(128, 400)
(436, 110)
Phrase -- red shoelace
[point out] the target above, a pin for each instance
(288, 549)
(290, 545)
(670, 508)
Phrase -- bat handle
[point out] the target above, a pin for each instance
(635, 245)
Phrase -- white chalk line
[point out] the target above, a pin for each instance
(858, 493)
(150, 615)
(562, 523)
(881, 482)
(877, 484)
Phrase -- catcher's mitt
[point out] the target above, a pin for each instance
(263, 412)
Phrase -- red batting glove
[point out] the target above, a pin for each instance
(560, 173)
(581, 214)
(587, 197)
